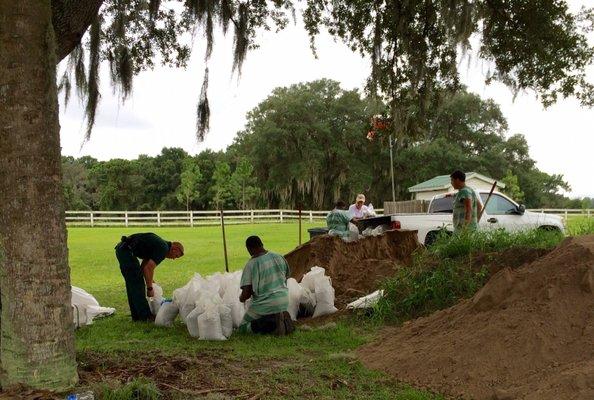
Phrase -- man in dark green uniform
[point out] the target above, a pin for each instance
(151, 249)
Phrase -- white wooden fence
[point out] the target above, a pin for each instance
(566, 212)
(184, 218)
(200, 218)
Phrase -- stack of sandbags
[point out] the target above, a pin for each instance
(313, 296)
(209, 307)
(320, 285)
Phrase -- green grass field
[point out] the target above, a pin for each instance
(313, 363)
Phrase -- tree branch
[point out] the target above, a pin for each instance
(71, 19)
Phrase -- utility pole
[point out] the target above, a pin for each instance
(392, 168)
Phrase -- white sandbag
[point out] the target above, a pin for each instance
(157, 290)
(156, 300)
(295, 292)
(185, 310)
(189, 293)
(155, 305)
(308, 280)
(86, 308)
(97, 312)
(366, 301)
(81, 297)
(307, 303)
(209, 325)
(237, 313)
(167, 314)
(247, 304)
(80, 315)
(324, 297)
(226, 320)
(192, 323)
(231, 300)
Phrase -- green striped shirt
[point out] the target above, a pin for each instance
(459, 211)
(338, 222)
(267, 274)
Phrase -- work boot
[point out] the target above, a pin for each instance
(284, 324)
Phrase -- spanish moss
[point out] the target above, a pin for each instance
(93, 82)
(203, 110)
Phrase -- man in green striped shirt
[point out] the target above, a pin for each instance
(264, 280)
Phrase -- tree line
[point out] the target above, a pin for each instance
(306, 146)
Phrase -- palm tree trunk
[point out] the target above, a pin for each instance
(37, 346)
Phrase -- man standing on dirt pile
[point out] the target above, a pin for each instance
(264, 280)
(466, 207)
(338, 220)
(151, 249)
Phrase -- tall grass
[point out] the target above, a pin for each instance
(581, 226)
(467, 243)
(138, 389)
(444, 273)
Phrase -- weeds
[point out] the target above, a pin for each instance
(464, 244)
(582, 226)
(425, 288)
(443, 274)
(138, 389)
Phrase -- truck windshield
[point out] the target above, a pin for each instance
(442, 205)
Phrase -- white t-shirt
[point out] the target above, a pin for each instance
(358, 213)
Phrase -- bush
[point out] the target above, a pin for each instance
(138, 389)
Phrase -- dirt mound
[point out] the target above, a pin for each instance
(527, 334)
(356, 267)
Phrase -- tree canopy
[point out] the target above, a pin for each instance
(305, 145)
(414, 46)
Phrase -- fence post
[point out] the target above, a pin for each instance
(158, 218)
(92, 220)
(126, 218)
(589, 213)
(281, 216)
(311, 217)
(252, 216)
(192, 219)
(565, 216)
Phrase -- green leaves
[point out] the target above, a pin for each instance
(190, 179)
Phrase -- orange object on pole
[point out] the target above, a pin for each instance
(224, 241)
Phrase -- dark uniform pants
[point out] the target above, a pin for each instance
(135, 286)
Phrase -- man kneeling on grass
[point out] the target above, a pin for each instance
(264, 280)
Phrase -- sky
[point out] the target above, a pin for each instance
(161, 112)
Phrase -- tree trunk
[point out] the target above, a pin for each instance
(37, 332)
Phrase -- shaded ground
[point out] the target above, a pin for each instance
(527, 334)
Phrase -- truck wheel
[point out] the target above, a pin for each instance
(549, 228)
(430, 238)
(433, 235)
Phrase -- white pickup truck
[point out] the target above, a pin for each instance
(501, 212)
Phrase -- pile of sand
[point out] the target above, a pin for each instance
(528, 334)
(356, 268)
